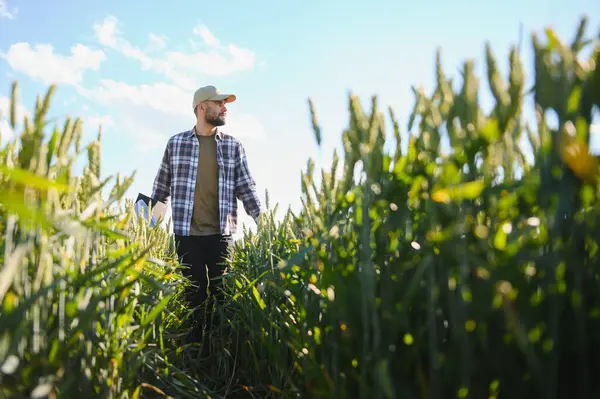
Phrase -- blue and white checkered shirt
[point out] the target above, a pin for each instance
(175, 181)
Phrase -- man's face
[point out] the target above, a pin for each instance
(215, 112)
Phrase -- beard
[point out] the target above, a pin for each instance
(215, 119)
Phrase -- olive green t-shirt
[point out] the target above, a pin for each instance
(205, 219)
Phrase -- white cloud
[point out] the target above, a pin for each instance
(6, 12)
(148, 133)
(157, 42)
(245, 126)
(161, 97)
(6, 132)
(182, 68)
(206, 35)
(152, 113)
(97, 120)
(145, 115)
(92, 124)
(43, 64)
(108, 34)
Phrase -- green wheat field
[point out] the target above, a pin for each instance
(414, 273)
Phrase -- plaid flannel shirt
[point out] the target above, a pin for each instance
(175, 181)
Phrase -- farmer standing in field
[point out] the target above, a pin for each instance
(203, 172)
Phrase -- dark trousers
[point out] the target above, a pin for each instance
(203, 259)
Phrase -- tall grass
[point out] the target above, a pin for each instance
(415, 274)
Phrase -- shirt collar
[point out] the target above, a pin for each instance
(192, 133)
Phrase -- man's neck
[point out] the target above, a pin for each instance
(204, 129)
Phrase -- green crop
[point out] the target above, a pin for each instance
(464, 269)
(419, 273)
(88, 292)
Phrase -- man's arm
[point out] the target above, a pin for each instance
(161, 191)
(245, 186)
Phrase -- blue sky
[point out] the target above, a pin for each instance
(134, 66)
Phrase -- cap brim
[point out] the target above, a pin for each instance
(228, 98)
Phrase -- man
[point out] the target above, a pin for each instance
(203, 172)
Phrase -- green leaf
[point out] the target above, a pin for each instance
(137, 392)
(490, 131)
(257, 297)
(500, 240)
(385, 382)
(573, 101)
(469, 191)
(14, 203)
(156, 311)
(28, 179)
